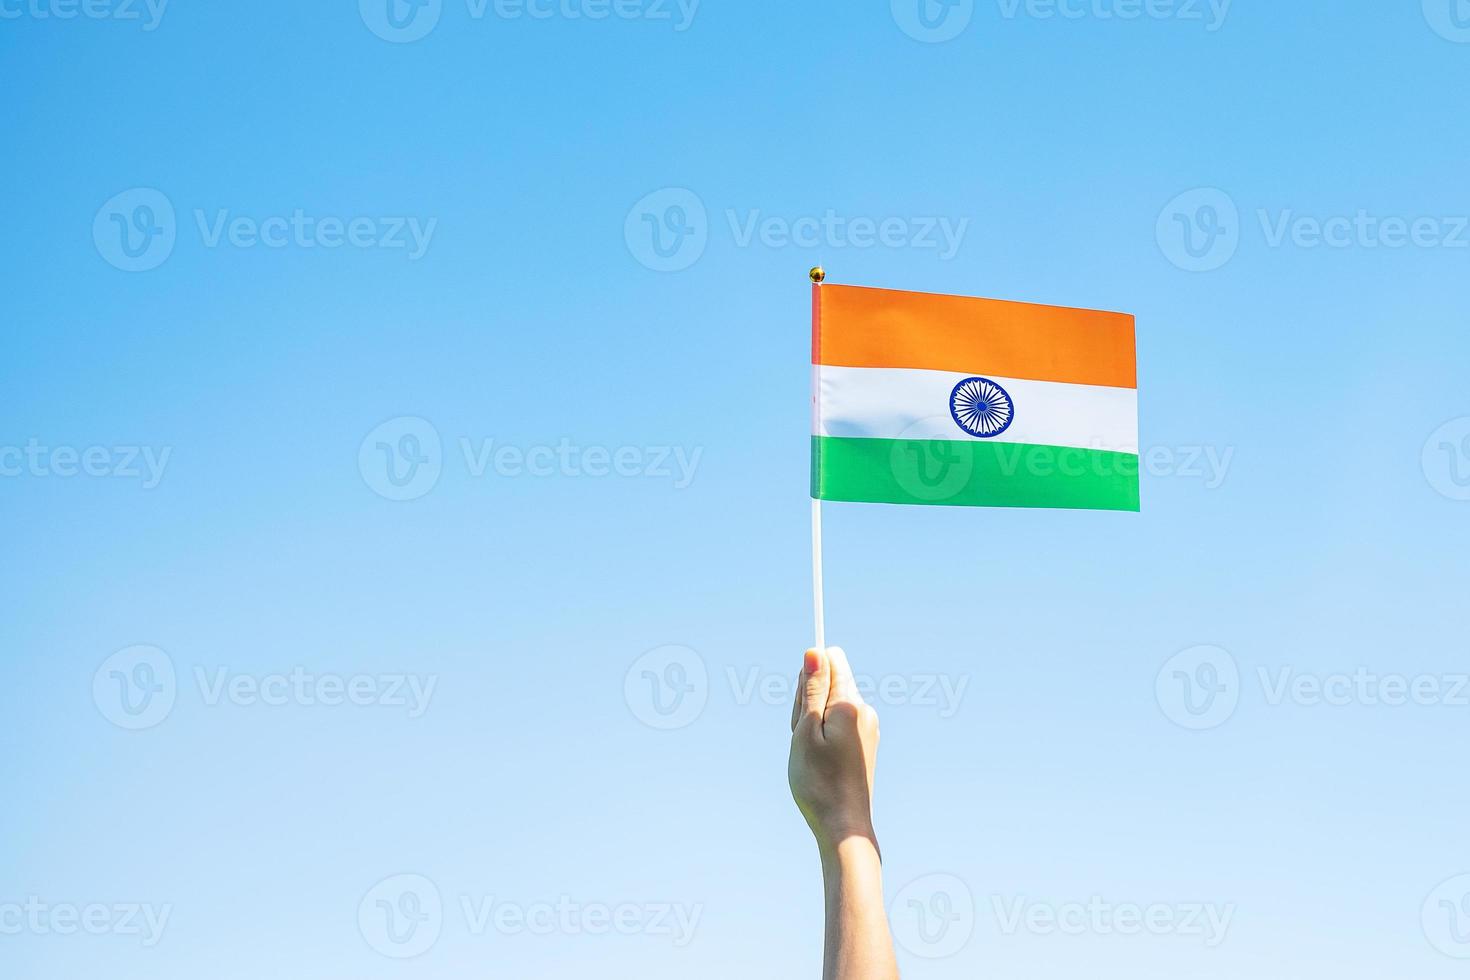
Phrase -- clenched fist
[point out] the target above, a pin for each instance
(834, 747)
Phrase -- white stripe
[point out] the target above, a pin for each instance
(907, 403)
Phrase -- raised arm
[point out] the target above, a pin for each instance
(834, 748)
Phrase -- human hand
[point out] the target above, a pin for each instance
(834, 748)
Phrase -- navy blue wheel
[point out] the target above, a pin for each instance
(981, 407)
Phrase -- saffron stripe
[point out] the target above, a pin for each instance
(856, 326)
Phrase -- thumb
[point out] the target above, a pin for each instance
(816, 672)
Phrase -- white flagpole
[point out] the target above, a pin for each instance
(817, 574)
(817, 275)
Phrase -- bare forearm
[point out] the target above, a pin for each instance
(858, 946)
(834, 751)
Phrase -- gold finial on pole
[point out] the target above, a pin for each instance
(818, 274)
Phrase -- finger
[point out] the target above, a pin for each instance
(798, 699)
(844, 685)
(816, 680)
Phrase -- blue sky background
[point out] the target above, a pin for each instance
(544, 769)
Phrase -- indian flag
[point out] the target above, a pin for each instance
(926, 399)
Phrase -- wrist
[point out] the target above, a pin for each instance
(853, 843)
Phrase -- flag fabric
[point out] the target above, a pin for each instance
(920, 398)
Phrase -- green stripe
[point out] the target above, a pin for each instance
(972, 474)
